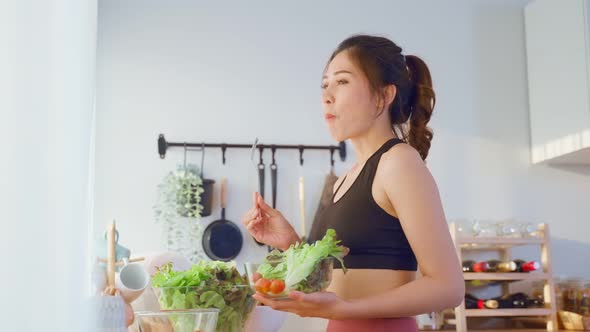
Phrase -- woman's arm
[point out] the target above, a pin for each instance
(413, 193)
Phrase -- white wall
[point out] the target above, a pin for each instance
(227, 73)
(46, 102)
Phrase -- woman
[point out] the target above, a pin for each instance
(386, 209)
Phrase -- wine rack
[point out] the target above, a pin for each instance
(503, 246)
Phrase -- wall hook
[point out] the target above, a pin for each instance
(223, 149)
(301, 155)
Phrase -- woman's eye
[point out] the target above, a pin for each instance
(339, 82)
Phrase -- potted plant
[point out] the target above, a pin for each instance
(178, 210)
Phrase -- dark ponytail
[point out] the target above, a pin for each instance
(421, 104)
(383, 63)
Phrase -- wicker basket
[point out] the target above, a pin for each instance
(574, 321)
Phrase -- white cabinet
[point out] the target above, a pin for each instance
(558, 67)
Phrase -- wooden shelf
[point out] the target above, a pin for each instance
(503, 246)
(505, 276)
(487, 243)
(508, 312)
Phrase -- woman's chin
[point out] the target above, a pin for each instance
(338, 137)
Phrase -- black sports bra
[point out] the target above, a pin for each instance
(375, 238)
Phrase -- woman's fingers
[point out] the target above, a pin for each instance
(253, 213)
(252, 220)
(257, 214)
(248, 216)
(266, 208)
(250, 227)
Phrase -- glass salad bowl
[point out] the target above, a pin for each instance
(207, 285)
(202, 320)
(234, 302)
(317, 279)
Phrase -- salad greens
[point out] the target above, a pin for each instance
(208, 284)
(305, 267)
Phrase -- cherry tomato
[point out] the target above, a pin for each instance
(277, 286)
(262, 285)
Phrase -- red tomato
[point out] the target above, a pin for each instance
(277, 286)
(262, 285)
(256, 276)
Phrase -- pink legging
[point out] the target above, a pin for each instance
(407, 324)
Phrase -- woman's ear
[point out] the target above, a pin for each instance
(389, 94)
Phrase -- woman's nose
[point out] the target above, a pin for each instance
(327, 97)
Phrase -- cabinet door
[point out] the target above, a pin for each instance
(558, 76)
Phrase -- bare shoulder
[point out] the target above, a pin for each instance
(401, 170)
(402, 157)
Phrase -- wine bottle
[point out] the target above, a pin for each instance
(507, 301)
(519, 300)
(535, 303)
(504, 303)
(524, 266)
(472, 302)
(480, 267)
(467, 266)
(499, 266)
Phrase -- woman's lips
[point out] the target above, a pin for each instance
(329, 117)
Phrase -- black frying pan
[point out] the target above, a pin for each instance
(222, 239)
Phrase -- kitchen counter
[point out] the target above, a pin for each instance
(294, 323)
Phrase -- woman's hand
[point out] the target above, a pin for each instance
(321, 304)
(268, 225)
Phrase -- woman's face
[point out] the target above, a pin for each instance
(350, 108)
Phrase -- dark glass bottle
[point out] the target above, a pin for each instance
(499, 266)
(467, 266)
(472, 302)
(524, 266)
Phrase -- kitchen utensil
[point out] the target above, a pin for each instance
(302, 208)
(132, 280)
(273, 180)
(222, 239)
(252, 154)
(256, 166)
(261, 173)
(111, 256)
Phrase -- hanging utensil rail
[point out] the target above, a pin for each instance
(163, 146)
